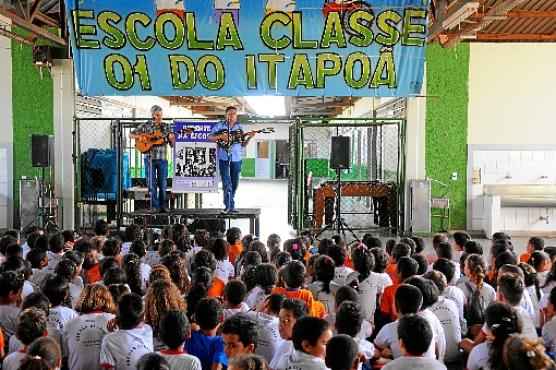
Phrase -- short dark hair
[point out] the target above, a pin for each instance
(345, 293)
(56, 243)
(230, 107)
(473, 247)
(537, 243)
(297, 307)
(173, 329)
(36, 300)
(10, 282)
(419, 244)
(243, 327)
(153, 361)
(56, 289)
(499, 246)
(401, 250)
(410, 242)
(274, 302)
(338, 254)
(208, 313)
(282, 259)
(428, 290)
(363, 261)
(132, 233)
(349, 318)
(233, 235)
(381, 260)
(500, 235)
(31, 324)
(445, 266)
(438, 279)
(35, 257)
(111, 247)
(308, 329)
(444, 250)
(421, 262)
(371, 241)
(101, 227)
(14, 250)
(505, 258)
(235, 291)
(294, 274)
(131, 311)
(83, 246)
(409, 299)
(341, 352)
(415, 333)
(266, 276)
(461, 237)
(407, 267)
(512, 287)
(437, 239)
(220, 249)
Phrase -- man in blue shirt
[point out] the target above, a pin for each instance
(229, 154)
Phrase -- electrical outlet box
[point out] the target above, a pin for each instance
(454, 176)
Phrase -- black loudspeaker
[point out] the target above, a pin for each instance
(340, 152)
(40, 153)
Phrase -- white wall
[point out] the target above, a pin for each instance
(6, 127)
(512, 92)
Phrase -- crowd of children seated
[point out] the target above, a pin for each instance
(132, 300)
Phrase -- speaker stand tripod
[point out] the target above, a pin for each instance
(338, 223)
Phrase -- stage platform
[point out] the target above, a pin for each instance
(176, 215)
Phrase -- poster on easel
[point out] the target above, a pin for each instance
(195, 165)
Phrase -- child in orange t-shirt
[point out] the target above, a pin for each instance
(535, 244)
(406, 268)
(233, 236)
(399, 250)
(294, 276)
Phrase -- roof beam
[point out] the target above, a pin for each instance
(34, 9)
(532, 14)
(41, 32)
(515, 37)
(501, 8)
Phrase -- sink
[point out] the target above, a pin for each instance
(526, 195)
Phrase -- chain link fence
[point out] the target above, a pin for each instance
(376, 148)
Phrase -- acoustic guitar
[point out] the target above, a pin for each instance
(145, 142)
(238, 136)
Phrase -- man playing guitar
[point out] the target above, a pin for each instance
(228, 135)
(156, 158)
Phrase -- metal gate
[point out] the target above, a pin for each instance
(377, 159)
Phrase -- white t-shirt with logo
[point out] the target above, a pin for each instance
(268, 339)
(527, 325)
(341, 275)
(369, 289)
(123, 348)
(414, 363)
(13, 360)
(60, 315)
(478, 357)
(255, 297)
(438, 336)
(456, 295)
(181, 361)
(82, 340)
(327, 299)
(224, 270)
(299, 360)
(388, 338)
(447, 313)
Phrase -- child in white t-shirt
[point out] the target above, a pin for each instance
(321, 287)
(268, 338)
(234, 294)
(266, 276)
(138, 247)
(415, 336)
(174, 329)
(31, 324)
(56, 290)
(83, 335)
(310, 336)
(549, 328)
(341, 272)
(122, 349)
(291, 311)
(224, 268)
(370, 284)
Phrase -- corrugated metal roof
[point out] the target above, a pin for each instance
(524, 24)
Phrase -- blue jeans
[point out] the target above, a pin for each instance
(229, 172)
(156, 181)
